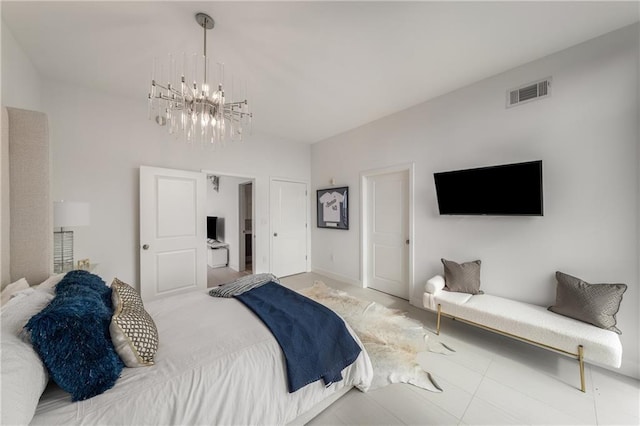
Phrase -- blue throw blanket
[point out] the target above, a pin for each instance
(315, 341)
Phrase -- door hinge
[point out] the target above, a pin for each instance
(305, 193)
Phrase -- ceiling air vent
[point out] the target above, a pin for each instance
(529, 92)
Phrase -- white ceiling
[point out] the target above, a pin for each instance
(314, 69)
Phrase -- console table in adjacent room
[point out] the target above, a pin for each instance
(217, 254)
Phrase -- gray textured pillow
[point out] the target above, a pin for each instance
(595, 304)
(462, 277)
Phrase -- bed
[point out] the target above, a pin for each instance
(216, 362)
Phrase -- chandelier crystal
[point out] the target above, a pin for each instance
(191, 107)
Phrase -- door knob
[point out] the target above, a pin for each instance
(275, 234)
(407, 242)
(145, 247)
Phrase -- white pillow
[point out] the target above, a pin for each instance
(24, 376)
(12, 288)
(435, 284)
(50, 283)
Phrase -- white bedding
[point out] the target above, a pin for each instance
(216, 364)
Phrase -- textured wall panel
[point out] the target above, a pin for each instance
(31, 231)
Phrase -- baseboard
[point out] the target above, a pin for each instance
(414, 301)
(630, 368)
(336, 277)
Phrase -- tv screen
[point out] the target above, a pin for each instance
(504, 190)
(212, 223)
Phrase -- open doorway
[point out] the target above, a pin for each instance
(230, 210)
(245, 198)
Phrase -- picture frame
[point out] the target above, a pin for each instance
(84, 264)
(333, 208)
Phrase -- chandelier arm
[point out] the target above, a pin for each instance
(235, 112)
(239, 111)
(178, 102)
(177, 98)
(169, 89)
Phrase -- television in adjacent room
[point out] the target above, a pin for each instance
(212, 228)
(502, 190)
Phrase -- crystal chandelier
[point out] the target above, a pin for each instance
(190, 107)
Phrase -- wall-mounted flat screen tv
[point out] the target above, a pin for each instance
(503, 190)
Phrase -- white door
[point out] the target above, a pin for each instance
(387, 228)
(288, 207)
(173, 250)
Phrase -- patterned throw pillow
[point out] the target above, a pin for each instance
(462, 277)
(133, 332)
(595, 304)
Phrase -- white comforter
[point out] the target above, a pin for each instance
(216, 364)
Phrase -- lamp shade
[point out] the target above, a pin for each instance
(70, 213)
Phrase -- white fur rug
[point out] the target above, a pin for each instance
(392, 340)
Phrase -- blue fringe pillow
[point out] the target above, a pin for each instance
(82, 282)
(71, 335)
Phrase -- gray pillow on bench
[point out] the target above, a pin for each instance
(595, 304)
(462, 277)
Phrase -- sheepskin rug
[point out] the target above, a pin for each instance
(391, 339)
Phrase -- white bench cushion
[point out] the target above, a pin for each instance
(531, 322)
(431, 301)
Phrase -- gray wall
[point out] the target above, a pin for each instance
(586, 133)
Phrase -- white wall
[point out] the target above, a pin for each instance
(20, 89)
(586, 133)
(637, 307)
(21, 85)
(99, 141)
(225, 204)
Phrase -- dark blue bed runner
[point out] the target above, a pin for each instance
(315, 341)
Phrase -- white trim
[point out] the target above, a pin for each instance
(228, 174)
(364, 176)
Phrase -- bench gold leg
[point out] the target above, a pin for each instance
(438, 320)
(583, 388)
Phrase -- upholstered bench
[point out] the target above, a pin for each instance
(526, 322)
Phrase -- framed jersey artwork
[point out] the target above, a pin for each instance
(333, 208)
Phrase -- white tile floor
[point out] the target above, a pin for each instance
(489, 380)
